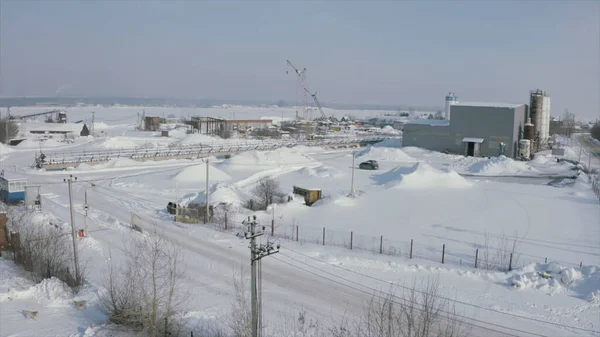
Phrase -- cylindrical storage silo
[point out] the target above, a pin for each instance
(451, 99)
(524, 148)
(529, 131)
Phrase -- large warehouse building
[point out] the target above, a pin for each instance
(475, 129)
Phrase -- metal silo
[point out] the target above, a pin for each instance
(451, 99)
(529, 131)
(539, 107)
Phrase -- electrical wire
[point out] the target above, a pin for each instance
(374, 294)
(441, 297)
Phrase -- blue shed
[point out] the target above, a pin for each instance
(12, 189)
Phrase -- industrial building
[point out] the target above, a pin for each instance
(484, 129)
(12, 188)
(218, 126)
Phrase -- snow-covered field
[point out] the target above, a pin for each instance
(433, 199)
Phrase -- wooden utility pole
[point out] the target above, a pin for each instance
(73, 232)
(352, 181)
(206, 210)
(85, 207)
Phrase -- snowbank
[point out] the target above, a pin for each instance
(421, 176)
(554, 278)
(5, 149)
(385, 154)
(199, 139)
(220, 192)
(198, 173)
(495, 166)
(258, 159)
(392, 143)
(322, 171)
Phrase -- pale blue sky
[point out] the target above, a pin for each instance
(373, 52)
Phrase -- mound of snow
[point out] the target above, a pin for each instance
(199, 139)
(496, 166)
(385, 154)
(118, 142)
(554, 278)
(283, 156)
(421, 176)
(198, 173)
(220, 192)
(393, 143)
(5, 149)
(322, 171)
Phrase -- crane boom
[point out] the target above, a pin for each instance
(37, 114)
(314, 96)
(298, 72)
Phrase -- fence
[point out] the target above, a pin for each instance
(502, 257)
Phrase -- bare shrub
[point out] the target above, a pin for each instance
(145, 292)
(416, 313)
(497, 251)
(266, 192)
(240, 317)
(225, 215)
(45, 251)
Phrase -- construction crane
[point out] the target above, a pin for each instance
(35, 114)
(314, 96)
(301, 85)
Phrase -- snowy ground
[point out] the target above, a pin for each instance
(431, 198)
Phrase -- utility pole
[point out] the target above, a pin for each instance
(93, 115)
(85, 207)
(352, 182)
(580, 149)
(75, 257)
(6, 126)
(257, 252)
(206, 210)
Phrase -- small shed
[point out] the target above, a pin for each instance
(12, 189)
(310, 195)
(164, 133)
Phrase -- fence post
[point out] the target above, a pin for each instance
(381, 245)
(273, 227)
(297, 232)
(323, 236)
(510, 263)
(580, 264)
(225, 229)
(351, 237)
(443, 252)
(476, 256)
(411, 247)
(545, 260)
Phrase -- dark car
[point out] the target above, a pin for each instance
(369, 165)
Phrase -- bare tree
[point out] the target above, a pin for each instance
(240, 318)
(497, 251)
(568, 123)
(595, 131)
(266, 192)
(44, 250)
(145, 293)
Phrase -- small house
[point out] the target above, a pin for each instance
(310, 195)
(12, 189)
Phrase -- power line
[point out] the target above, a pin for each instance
(374, 294)
(441, 297)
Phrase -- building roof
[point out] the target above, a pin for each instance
(487, 104)
(431, 122)
(472, 140)
(12, 176)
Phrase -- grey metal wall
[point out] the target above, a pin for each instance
(426, 136)
(520, 118)
(493, 124)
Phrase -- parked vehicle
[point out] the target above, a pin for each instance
(369, 165)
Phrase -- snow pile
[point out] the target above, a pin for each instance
(119, 142)
(385, 154)
(114, 163)
(219, 193)
(392, 142)
(258, 159)
(5, 149)
(421, 176)
(554, 278)
(199, 139)
(322, 171)
(198, 173)
(495, 166)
